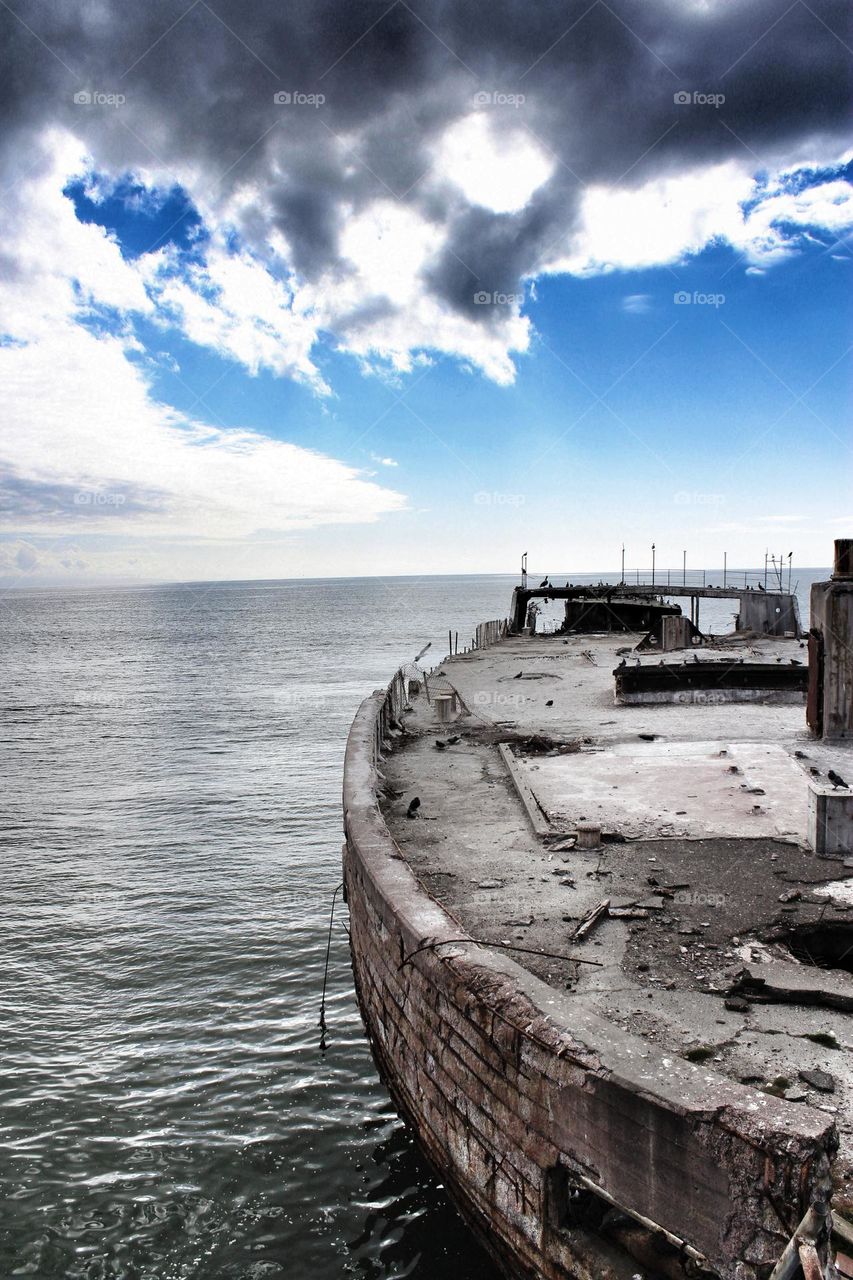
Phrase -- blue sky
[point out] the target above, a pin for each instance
(190, 394)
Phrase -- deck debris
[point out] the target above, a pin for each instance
(820, 1080)
(591, 919)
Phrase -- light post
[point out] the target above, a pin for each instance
(653, 564)
(622, 579)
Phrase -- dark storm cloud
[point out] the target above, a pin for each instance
(598, 82)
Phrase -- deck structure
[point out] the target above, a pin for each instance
(605, 963)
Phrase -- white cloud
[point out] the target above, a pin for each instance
(668, 219)
(232, 304)
(658, 223)
(85, 447)
(497, 170)
(383, 312)
(62, 266)
(384, 462)
(637, 304)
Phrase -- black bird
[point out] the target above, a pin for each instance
(813, 771)
(544, 583)
(414, 805)
(550, 702)
(836, 779)
(760, 588)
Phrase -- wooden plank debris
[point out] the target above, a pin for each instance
(591, 919)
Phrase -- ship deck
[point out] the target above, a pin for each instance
(717, 897)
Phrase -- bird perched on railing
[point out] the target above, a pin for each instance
(544, 583)
(836, 779)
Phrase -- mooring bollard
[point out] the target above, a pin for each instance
(589, 835)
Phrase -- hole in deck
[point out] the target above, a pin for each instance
(826, 946)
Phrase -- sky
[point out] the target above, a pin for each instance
(350, 289)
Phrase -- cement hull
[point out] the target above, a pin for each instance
(504, 1091)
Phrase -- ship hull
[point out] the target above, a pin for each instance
(512, 1105)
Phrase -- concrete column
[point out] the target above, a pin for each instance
(830, 700)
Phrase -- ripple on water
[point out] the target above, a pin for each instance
(170, 841)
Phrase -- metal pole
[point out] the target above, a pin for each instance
(724, 568)
(765, 570)
(790, 555)
(622, 580)
(653, 564)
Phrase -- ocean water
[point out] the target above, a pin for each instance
(170, 838)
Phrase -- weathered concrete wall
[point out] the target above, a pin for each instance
(504, 1079)
(768, 613)
(676, 633)
(832, 620)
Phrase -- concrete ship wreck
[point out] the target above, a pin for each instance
(600, 887)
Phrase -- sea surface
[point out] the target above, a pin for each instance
(170, 838)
